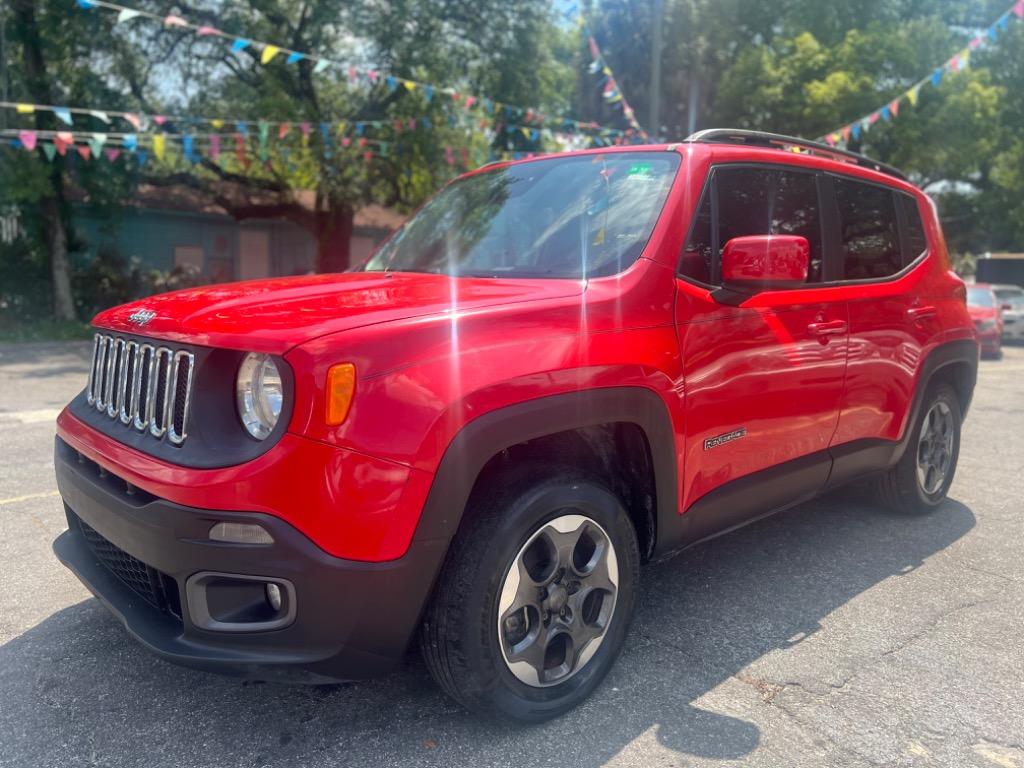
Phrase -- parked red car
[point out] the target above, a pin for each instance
(557, 370)
(987, 313)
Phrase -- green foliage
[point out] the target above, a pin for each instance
(806, 68)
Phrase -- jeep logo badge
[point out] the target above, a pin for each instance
(141, 316)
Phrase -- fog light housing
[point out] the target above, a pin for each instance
(240, 533)
(274, 596)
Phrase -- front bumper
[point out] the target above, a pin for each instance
(352, 619)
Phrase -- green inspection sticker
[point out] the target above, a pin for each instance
(640, 169)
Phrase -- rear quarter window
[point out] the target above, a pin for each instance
(868, 229)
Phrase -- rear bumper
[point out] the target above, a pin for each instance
(352, 619)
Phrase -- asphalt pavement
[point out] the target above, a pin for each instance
(832, 634)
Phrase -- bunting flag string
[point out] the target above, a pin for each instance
(610, 90)
(957, 63)
(266, 53)
(142, 121)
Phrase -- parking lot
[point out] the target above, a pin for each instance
(833, 634)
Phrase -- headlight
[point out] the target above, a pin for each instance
(259, 394)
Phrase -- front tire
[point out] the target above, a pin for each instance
(533, 604)
(921, 479)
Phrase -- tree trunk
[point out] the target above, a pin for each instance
(60, 267)
(334, 238)
(51, 203)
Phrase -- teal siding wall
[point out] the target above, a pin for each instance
(156, 237)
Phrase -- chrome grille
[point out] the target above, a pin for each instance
(142, 386)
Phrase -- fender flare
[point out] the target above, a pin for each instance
(962, 351)
(483, 438)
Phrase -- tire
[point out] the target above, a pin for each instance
(904, 488)
(511, 520)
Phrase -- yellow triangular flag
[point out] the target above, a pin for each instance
(159, 146)
(218, 123)
(25, 109)
(269, 52)
(409, 85)
(912, 95)
(965, 58)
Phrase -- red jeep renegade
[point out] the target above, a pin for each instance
(558, 369)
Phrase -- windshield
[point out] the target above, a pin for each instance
(569, 217)
(980, 297)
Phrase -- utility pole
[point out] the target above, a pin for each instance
(654, 90)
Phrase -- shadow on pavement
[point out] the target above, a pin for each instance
(75, 688)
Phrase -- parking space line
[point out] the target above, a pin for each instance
(29, 497)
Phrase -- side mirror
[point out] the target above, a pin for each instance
(1006, 307)
(765, 261)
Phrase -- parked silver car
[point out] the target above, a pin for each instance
(1012, 299)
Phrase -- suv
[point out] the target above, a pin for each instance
(1011, 300)
(557, 370)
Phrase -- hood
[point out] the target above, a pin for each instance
(982, 313)
(276, 314)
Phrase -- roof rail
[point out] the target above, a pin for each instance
(777, 140)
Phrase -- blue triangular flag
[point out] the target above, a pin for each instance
(428, 91)
(937, 76)
(141, 156)
(886, 114)
(855, 130)
(240, 45)
(63, 114)
(130, 142)
(392, 82)
(186, 146)
(86, 4)
(242, 127)
(294, 57)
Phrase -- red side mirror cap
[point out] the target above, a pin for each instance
(766, 261)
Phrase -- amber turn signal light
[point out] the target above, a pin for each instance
(341, 386)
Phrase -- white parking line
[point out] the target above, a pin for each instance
(30, 417)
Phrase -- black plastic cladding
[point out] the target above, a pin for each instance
(216, 436)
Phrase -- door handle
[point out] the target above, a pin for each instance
(830, 328)
(921, 313)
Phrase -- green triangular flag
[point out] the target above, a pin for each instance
(96, 146)
(50, 150)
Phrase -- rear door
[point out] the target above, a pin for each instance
(893, 314)
(763, 380)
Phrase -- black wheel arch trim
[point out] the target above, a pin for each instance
(490, 434)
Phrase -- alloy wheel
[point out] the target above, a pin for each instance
(935, 447)
(557, 600)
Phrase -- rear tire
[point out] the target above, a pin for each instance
(524, 623)
(921, 479)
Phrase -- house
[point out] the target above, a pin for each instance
(168, 227)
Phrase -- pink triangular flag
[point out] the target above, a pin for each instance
(112, 154)
(84, 151)
(159, 119)
(134, 119)
(345, 141)
(27, 139)
(894, 107)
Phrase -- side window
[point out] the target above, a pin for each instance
(870, 235)
(915, 240)
(752, 201)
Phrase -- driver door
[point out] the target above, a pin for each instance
(763, 374)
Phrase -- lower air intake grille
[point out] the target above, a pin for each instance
(157, 589)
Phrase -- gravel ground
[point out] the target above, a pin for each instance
(832, 634)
